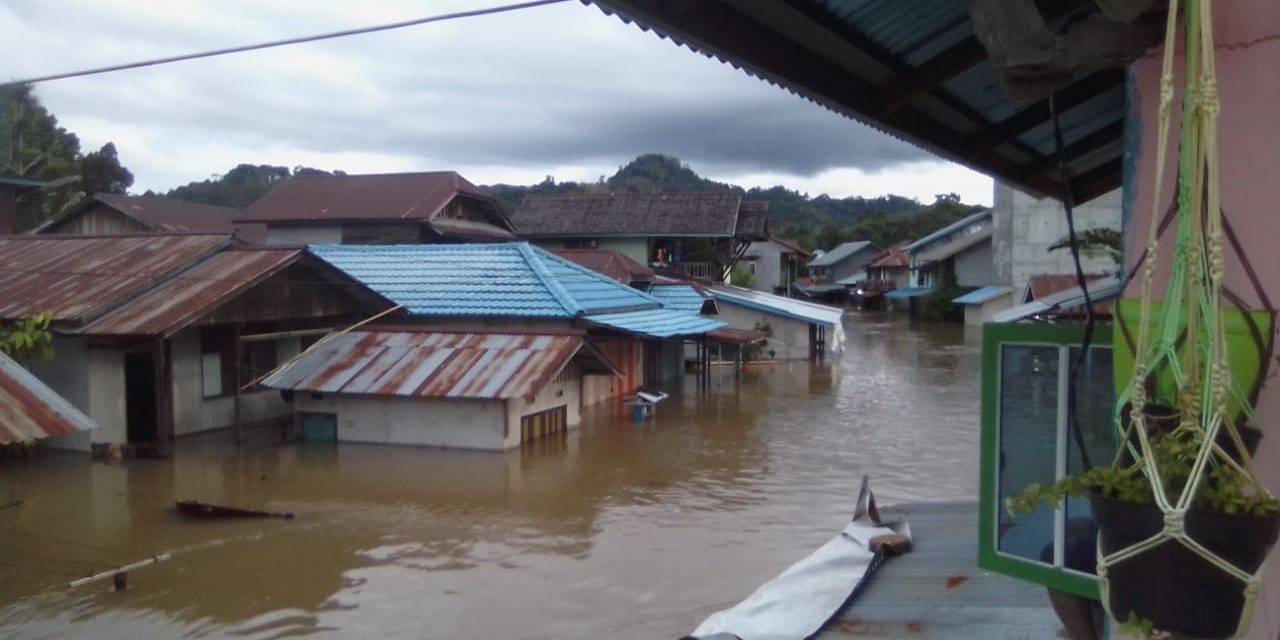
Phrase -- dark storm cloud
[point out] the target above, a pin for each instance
(557, 86)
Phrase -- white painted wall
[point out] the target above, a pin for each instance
(93, 381)
(1026, 226)
(431, 422)
(304, 234)
(976, 315)
(790, 339)
(193, 413)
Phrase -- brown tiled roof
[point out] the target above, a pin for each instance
(165, 215)
(1047, 284)
(383, 197)
(613, 264)
(793, 245)
(628, 214)
(753, 220)
(895, 257)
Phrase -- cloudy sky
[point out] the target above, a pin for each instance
(562, 90)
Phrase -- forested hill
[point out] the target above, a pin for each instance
(817, 222)
(820, 221)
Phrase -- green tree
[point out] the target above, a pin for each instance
(27, 338)
(1095, 243)
(101, 172)
(739, 276)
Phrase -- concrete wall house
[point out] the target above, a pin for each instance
(679, 234)
(115, 214)
(831, 272)
(518, 287)
(775, 264)
(392, 208)
(489, 390)
(158, 336)
(1024, 227)
(796, 329)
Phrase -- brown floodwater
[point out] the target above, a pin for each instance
(619, 530)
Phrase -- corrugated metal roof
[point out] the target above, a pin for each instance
(732, 335)
(510, 279)
(982, 295)
(430, 364)
(1045, 284)
(30, 409)
(159, 214)
(767, 302)
(753, 220)
(612, 264)
(910, 292)
(386, 197)
(628, 214)
(1099, 290)
(77, 278)
(938, 590)
(657, 323)
(192, 293)
(953, 247)
(678, 297)
(948, 230)
(895, 257)
(841, 253)
(470, 229)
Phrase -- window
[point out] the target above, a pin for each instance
(1029, 435)
(217, 355)
(260, 358)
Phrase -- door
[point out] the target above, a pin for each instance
(544, 423)
(140, 402)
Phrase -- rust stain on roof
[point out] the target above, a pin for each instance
(431, 363)
(194, 292)
(30, 410)
(712, 213)
(77, 278)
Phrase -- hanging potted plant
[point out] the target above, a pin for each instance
(1185, 521)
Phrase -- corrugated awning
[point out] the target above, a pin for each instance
(910, 292)
(29, 409)
(657, 323)
(981, 295)
(778, 305)
(1099, 290)
(433, 364)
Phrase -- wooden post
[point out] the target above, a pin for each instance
(164, 396)
(237, 425)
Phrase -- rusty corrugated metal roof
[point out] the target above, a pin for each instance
(193, 293)
(30, 409)
(77, 278)
(753, 220)
(165, 215)
(613, 264)
(430, 364)
(371, 197)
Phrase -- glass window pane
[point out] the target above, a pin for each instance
(1089, 423)
(211, 374)
(1028, 426)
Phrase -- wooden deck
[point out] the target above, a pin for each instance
(938, 591)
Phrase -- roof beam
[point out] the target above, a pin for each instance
(1086, 145)
(984, 142)
(1097, 181)
(932, 74)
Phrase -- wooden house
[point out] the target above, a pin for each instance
(159, 335)
(697, 235)
(115, 214)
(393, 208)
(831, 272)
(775, 264)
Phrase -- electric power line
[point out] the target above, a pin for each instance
(281, 43)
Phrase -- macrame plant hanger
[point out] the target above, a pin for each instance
(1189, 342)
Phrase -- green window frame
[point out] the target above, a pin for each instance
(1045, 338)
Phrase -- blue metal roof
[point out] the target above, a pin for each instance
(786, 307)
(911, 292)
(982, 295)
(508, 279)
(678, 297)
(948, 230)
(658, 323)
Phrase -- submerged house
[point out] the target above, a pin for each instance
(834, 270)
(680, 234)
(960, 254)
(463, 305)
(796, 329)
(390, 208)
(116, 214)
(158, 336)
(775, 264)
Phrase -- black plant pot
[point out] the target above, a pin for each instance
(1171, 585)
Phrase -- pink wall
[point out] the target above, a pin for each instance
(1247, 36)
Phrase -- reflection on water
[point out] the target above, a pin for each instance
(619, 529)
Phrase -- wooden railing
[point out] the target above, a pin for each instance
(691, 270)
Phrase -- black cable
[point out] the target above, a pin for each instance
(280, 43)
(1068, 205)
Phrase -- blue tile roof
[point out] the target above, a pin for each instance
(678, 297)
(508, 279)
(911, 292)
(658, 323)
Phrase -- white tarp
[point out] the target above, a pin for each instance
(796, 604)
